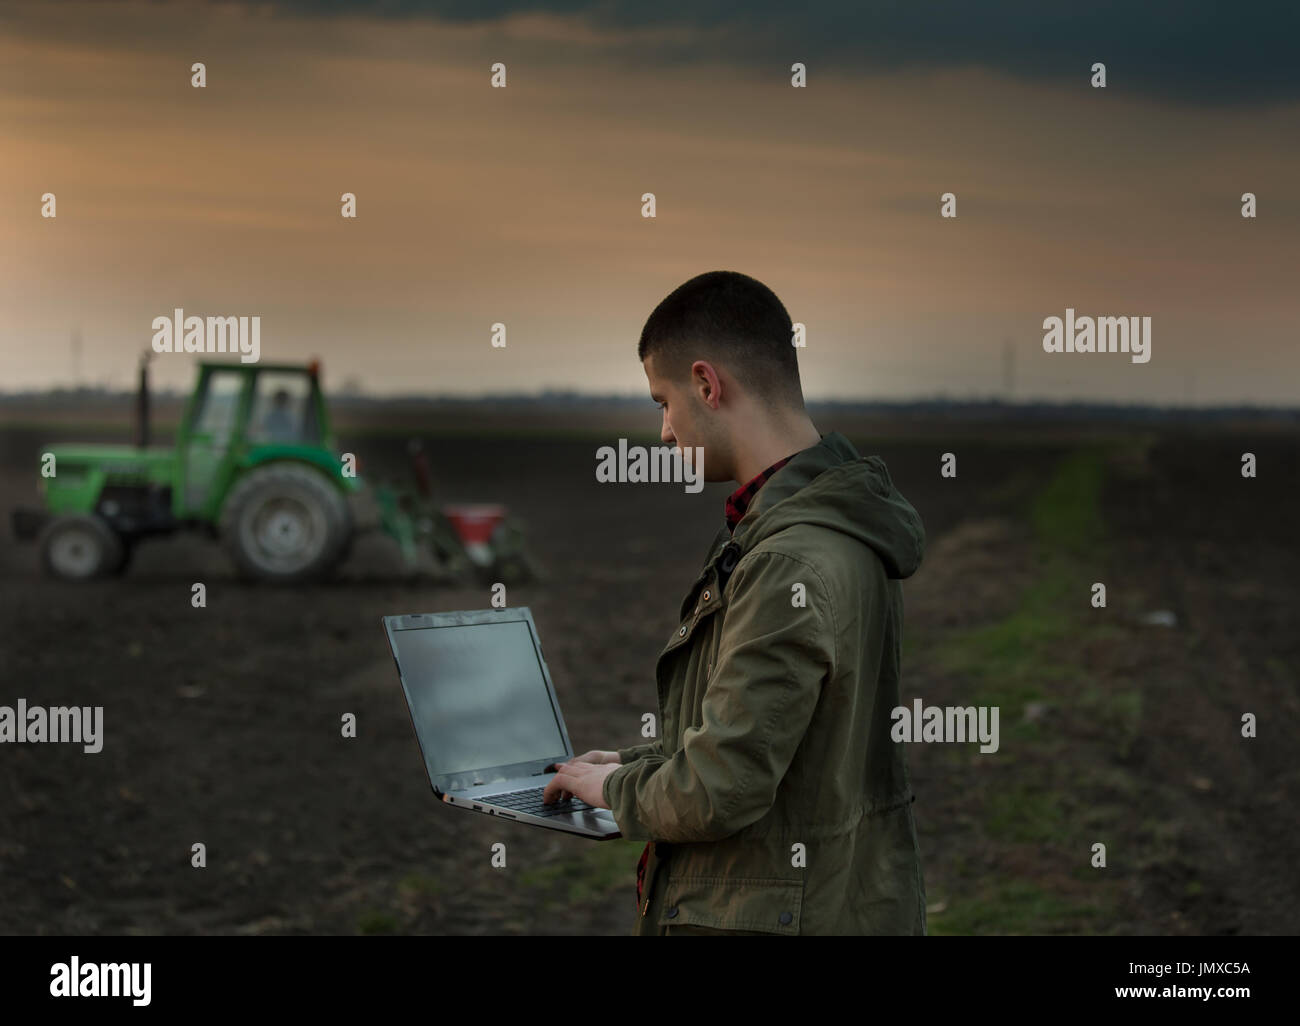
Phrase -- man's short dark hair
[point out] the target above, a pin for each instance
(732, 317)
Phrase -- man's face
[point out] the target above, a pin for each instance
(688, 420)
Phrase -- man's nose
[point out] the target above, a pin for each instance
(666, 435)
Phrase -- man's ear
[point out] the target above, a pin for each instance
(706, 383)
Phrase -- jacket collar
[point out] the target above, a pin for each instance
(831, 451)
(728, 546)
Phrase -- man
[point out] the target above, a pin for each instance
(280, 422)
(774, 801)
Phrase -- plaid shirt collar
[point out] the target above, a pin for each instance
(739, 500)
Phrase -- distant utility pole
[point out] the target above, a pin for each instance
(76, 357)
(1008, 369)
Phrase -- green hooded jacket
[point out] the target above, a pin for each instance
(775, 798)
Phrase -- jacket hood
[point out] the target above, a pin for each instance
(831, 485)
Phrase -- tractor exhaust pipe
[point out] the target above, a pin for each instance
(142, 404)
(420, 467)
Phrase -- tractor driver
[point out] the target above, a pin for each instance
(279, 424)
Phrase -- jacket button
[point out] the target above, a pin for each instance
(785, 918)
(707, 595)
(682, 633)
(672, 912)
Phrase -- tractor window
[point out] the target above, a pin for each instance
(283, 411)
(220, 404)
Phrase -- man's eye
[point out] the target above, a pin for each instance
(662, 405)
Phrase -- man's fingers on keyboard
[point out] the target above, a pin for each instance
(557, 793)
(552, 791)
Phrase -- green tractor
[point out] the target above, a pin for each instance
(254, 463)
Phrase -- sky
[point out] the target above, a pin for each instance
(523, 205)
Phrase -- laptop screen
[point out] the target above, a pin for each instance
(477, 696)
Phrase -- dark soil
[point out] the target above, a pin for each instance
(222, 725)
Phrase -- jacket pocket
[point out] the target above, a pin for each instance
(770, 905)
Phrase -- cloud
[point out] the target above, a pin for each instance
(1192, 52)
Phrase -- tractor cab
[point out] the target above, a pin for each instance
(243, 416)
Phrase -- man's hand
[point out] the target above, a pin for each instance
(583, 779)
(598, 757)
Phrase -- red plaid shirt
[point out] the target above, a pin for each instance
(737, 502)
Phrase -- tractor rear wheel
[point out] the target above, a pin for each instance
(285, 523)
(510, 561)
(80, 547)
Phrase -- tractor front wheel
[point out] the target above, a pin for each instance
(285, 523)
(81, 547)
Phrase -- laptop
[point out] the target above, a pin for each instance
(486, 716)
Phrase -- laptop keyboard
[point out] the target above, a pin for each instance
(529, 802)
